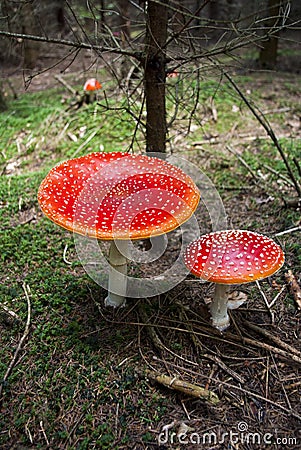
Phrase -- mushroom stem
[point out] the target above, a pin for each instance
(218, 307)
(117, 274)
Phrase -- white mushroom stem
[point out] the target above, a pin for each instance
(117, 274)
(218, 307)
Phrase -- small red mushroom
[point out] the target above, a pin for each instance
(92, 85)
(173, 74)
(90, 88)
(117, 197)
(231, 257)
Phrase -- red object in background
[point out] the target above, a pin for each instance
(92, 85)
(173, 74)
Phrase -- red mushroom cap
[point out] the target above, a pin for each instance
(173, 74)
(92, 85)
(233, 257)
(118, 195)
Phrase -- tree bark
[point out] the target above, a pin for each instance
(155, 76)
(29, 26)
(268, 52)
(124, 30)
(3, 104)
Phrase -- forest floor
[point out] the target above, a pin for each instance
(79, 376)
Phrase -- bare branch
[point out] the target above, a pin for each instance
(266, 125)
(67, 43)
(22, 340)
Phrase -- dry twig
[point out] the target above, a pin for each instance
(89, 138)
(297, 164)
(65, 84)
(182, 386)
(294, 287)
(21, 342)
(244, 163)
(270, 348)
(265, 124)
(265, 301)
(290, 230)
(272, 337)
(9, 311)
(260, 397)
(64, 255)
(214, 358)
(279, 175)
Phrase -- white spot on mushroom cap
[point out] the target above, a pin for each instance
(241, 255)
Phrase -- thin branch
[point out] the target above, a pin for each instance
(74, 52)
(138, 123)
(265, 301)
(294, 287)
(260, 397)
(122, 108)
(79, 24)
(244, 163)
(22, 340)
(89, 138)
(290, 230)
(279, 175)
(278, 351)
(67, 43)
(272, 338)
(277, 296)
(297, 164)
(196, 101)
(65, 84)
(9, 312)
(265, 124)
(282, 385)
(186, 24)
(198, 345)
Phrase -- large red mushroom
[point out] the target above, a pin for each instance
(118, 197)
(231, 257)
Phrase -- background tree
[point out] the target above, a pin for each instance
(269, 46)
(154, 66)
(3, 105)
(188, 38)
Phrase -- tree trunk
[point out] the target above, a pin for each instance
(124, 33)
(268, 52)
(30, 27)
(155, 76)
(3, 105)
